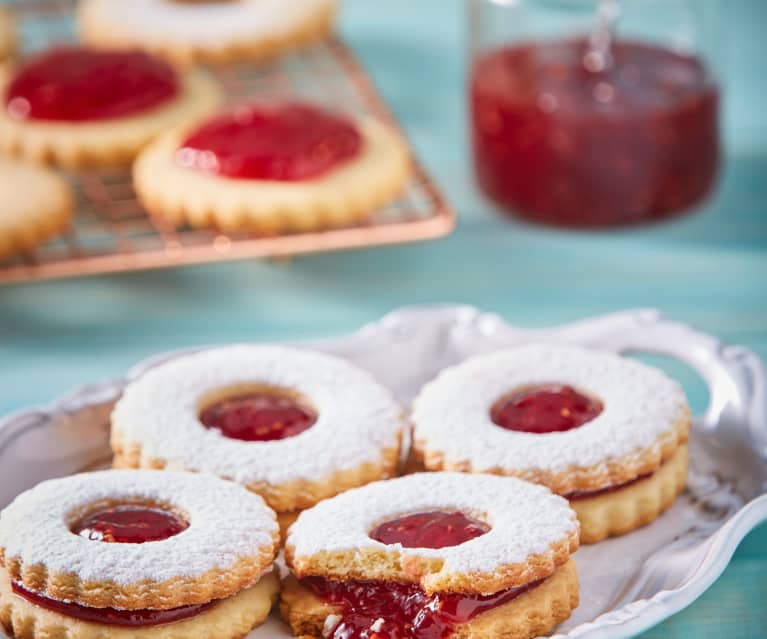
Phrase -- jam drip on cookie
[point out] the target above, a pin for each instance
(436, 529)
(111, 616)
(130, 524)
(75, 84)
(258, 417)
(544, 409)
(385, 610)
(292, 142)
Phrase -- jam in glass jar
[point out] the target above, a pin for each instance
(592, 113)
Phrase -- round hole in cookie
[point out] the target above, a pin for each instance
(127, 521)
(544, 408)
(430, 529)
(257, 412)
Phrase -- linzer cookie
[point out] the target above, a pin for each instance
(79, 107)
(606, 432)
(136, 555)
(272, 168)
(430, 556)
(36, 205)
(212, 31)
(7, 35)
(295, 426)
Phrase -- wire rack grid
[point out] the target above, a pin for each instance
(111, 232)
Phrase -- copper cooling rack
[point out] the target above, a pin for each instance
(111, 232)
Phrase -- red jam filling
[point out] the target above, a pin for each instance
(292, 142)
(258, 417)
(111, 616)
(384, 610)
(585, 494)
(75, 84)
(559, 143)
(436, 529)
(130, 524)
(545, 409)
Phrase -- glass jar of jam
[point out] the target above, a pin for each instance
(592, 113)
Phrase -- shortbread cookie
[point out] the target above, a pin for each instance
(232, 617)
(7, 35)
(616, 511)
(212, 31)
(36, 205)
(295, 426)
(585, 423)
(433, 555)
(78, 107)
(136, 554)
(272, 169)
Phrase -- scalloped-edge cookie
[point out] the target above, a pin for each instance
(619, 511)
(580, 421)
(343, 193)
(135, 550)
(531, 614)
(36, 206)
(206, 32)
(295, 426)
(450, 551)
(38, 126)
(232, 617)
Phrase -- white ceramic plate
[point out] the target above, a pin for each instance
(627, 584)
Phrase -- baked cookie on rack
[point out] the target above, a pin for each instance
(432, 555)
(210, 31)
(270, 169)
(136, 555)
(606, 432)
(7, 35)
(293, 425)
(79, 107)
(36, 206)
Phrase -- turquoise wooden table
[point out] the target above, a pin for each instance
(709, 269)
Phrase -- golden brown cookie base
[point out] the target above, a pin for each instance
(612, 472)
(282, 498)
(531, 614)
(626, 509)
(343, 196)
(231, 618)
(37, 205)
(7, 35)
(317, 27)
(387, 564)
(105, 143)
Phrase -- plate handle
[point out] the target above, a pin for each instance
(736, 376)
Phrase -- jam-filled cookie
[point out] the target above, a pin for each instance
(211, 31)
(36, 205)
(136, 555)
(432, 555)
(293, 425)
(272, 168)
(77, 107)
(606, 432)
(7, 35)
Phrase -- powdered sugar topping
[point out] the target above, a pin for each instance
(357, 418)
(452, 413)
(226, 523)
(525, 519)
